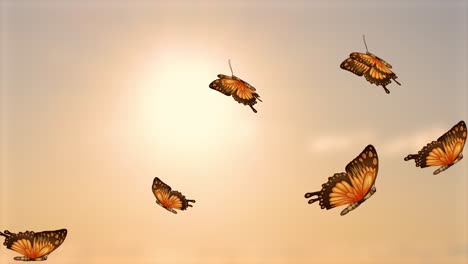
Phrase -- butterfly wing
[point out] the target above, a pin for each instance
(371, 60)
(363, 171)
(178, 201)
(34, 246)
(334, 192)
(351, 187)
(241, 91)
(380, 72)
(162, 192)
(354, 66)
(221, 86)
(445, 151)
(375, 70)
(169, 199)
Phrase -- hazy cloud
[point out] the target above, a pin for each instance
(408, 143)
(412, 142)
(333, 143)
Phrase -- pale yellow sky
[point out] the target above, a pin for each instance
(98, 98)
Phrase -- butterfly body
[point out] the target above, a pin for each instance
(355, 205)
(234, 86)
(445, 152)
(34, 246)
(374, 69)
(352, 187)
(169, 199)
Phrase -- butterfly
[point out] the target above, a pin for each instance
(34, 246)
(375, 69)
(444, 152)
(169, 199)
(240, 90)
(352, 187)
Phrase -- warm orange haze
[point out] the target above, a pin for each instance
(100, 97)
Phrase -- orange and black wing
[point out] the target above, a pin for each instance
(241, 91)
(179, 201)
(363, 171)
(355, 66)
(375, 70)
(34, 246)
(352, 186)
(445, 152)
(169, 199)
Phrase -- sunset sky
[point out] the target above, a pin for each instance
(99, 97)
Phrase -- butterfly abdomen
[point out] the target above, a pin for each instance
(23, 258)
(349, 208)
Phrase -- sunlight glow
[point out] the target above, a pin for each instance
(178, 109)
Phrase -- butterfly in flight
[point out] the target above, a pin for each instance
(444, 152)
(375, 69)
(240, 90)
(168, 198)
(34, 246)
(352, 187)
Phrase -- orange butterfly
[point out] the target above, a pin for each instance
(34, 246)
(352, 187)
(444, 152)
(375, 69)
(240, 90)
(169, 199)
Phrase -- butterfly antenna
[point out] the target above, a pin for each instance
(365, 44)
(229, 61)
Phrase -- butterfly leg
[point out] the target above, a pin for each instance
(394, 79)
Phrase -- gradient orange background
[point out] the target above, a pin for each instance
(100, 97)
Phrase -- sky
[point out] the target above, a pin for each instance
(100, 97)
